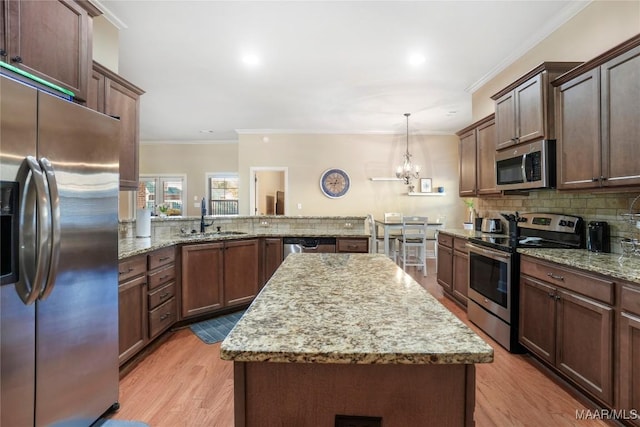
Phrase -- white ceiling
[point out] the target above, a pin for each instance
(325, 66)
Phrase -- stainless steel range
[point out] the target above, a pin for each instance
(494, 269)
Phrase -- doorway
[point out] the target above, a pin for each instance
(269, 190)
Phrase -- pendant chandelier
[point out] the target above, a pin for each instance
(408, 171)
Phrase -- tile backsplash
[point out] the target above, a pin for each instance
(607, 207)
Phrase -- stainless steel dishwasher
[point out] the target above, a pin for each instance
(295, 245)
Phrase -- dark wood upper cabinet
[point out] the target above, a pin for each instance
(109, 93)
(51, 40)
(468, 163)
(477, 158)
(524, 109)
(597, 110)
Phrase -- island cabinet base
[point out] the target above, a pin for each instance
(312, 395)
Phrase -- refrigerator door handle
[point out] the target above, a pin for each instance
(54, 196)
(35, 231)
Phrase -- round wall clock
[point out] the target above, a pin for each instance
(334, 183)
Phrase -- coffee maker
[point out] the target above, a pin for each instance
(598, 235)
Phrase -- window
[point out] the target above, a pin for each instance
(167, 192)
(223, 193)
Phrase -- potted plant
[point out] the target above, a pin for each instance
(163, 208)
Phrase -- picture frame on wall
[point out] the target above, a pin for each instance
(425, 185)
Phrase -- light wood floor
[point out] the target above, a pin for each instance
(184, 383)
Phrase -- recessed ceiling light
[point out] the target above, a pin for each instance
(417, 59)
(251, 60)
(207, 131)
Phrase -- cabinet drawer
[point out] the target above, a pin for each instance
(161, 295)
(585, 284)
(161, 257)
(445, 240)
(160, 277)
(132, 267)
(630, 299)
(162, 318)
(353, 245)
(460, 245)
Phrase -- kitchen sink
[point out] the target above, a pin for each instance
(212, 234)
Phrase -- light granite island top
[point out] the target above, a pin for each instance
(350, 308)
(337, 336)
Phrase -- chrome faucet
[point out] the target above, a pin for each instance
(203, 212)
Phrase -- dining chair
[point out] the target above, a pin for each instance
(413, 243)
(376, 243)
(391, 218)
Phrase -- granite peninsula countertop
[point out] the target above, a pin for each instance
(131, 246)
(350, 308)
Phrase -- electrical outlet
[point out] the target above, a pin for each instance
(351, 421)
(299, 205)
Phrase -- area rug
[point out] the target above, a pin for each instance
(214, 330)
(118, 423)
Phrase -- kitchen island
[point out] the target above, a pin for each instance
(351, 335)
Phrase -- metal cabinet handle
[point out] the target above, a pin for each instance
(164, 259)
(163, 296)
(164, 277)
(16, 59)
(555, 276)
(165, 316)
(3, 52)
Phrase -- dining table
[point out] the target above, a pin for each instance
(392, 229)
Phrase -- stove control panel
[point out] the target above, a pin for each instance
(551, 222)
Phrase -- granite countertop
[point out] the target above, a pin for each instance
(626, 268)
(461, 232)
(350, 308)
(131, 246)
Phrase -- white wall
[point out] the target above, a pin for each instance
(362, 156)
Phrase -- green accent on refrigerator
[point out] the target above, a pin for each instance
(36, 79)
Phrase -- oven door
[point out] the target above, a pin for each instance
(490, 280)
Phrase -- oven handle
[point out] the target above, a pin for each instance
(489, 253)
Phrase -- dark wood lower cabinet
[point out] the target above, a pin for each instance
(445, 265)
(537, 318)
(271, 257)
(460, 283)
(132, 317)
(240, 272)
(585, 343)
(629, 351)
(572, 332)
(202, 278)
(218, 275)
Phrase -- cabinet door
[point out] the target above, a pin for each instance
(124, 103)
(620, 124)
(487, 158)
(585, 344)
(51, 39)
(530, 110)
(505, 121)
(460, 276)
(578, 131)
(445, 267)
(3, 33)
(132, 317)
(202, 278)
(468, 164)
(629, 359)
(240, 272)
(271, 257)
(538, 318)
(95, 92)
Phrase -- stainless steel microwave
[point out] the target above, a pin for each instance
(527, 166)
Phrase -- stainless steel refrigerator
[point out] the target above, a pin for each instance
(59, 289)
